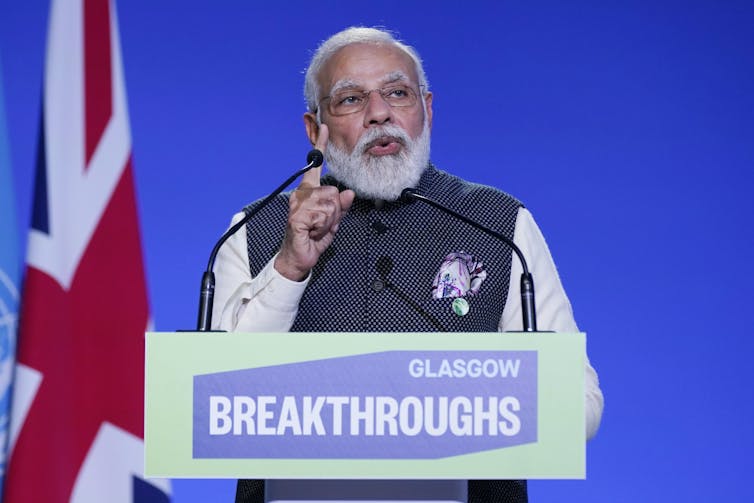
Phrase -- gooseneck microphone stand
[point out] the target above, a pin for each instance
(528, 311)
(314, 159)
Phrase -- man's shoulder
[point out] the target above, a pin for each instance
(268, 214)
(453, 188)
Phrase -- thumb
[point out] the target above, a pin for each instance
(346, 200)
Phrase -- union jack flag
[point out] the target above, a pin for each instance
(77, 413)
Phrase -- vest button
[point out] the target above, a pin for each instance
(378, 285)
(379, 228)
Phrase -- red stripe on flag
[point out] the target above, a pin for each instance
(97, 72)
(88, 343)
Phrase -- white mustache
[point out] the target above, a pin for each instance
(373, 136)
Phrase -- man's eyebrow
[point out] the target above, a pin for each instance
(390, 78)
(344, 84)
(395, 76)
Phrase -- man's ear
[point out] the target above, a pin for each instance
(312, 127)
(428, 108)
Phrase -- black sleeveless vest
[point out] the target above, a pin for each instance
(377, 275)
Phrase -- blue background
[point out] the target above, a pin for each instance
(626, 127)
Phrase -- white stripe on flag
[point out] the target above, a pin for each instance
(77, 192)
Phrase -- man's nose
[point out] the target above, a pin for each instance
(377, 110)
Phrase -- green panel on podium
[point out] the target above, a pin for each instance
(365, 405)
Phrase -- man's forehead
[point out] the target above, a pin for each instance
(360, 64)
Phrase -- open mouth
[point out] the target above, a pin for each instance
(384, 145)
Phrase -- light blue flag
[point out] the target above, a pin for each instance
(9, 284)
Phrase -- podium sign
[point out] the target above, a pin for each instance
(365, 405)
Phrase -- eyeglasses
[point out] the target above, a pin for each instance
(350, 101)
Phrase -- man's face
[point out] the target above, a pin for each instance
(365, 67)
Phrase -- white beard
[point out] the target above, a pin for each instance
(381, 177)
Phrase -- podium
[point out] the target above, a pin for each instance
(364, 406)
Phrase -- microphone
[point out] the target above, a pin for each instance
(314, 159)
(528, 311)
(384, 267)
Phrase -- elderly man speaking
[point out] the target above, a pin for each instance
(346, 253)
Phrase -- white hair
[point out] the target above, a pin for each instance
(353, 35)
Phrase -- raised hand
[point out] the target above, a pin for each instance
(314, 215)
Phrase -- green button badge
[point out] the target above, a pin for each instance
(460, 306)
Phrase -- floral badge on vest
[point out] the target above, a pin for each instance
(460, 274)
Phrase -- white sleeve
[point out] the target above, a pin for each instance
(553, 308)
(265, 303)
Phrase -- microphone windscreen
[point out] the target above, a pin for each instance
(315, 158)
(408, 195)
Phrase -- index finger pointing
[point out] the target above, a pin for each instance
(311, 177)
